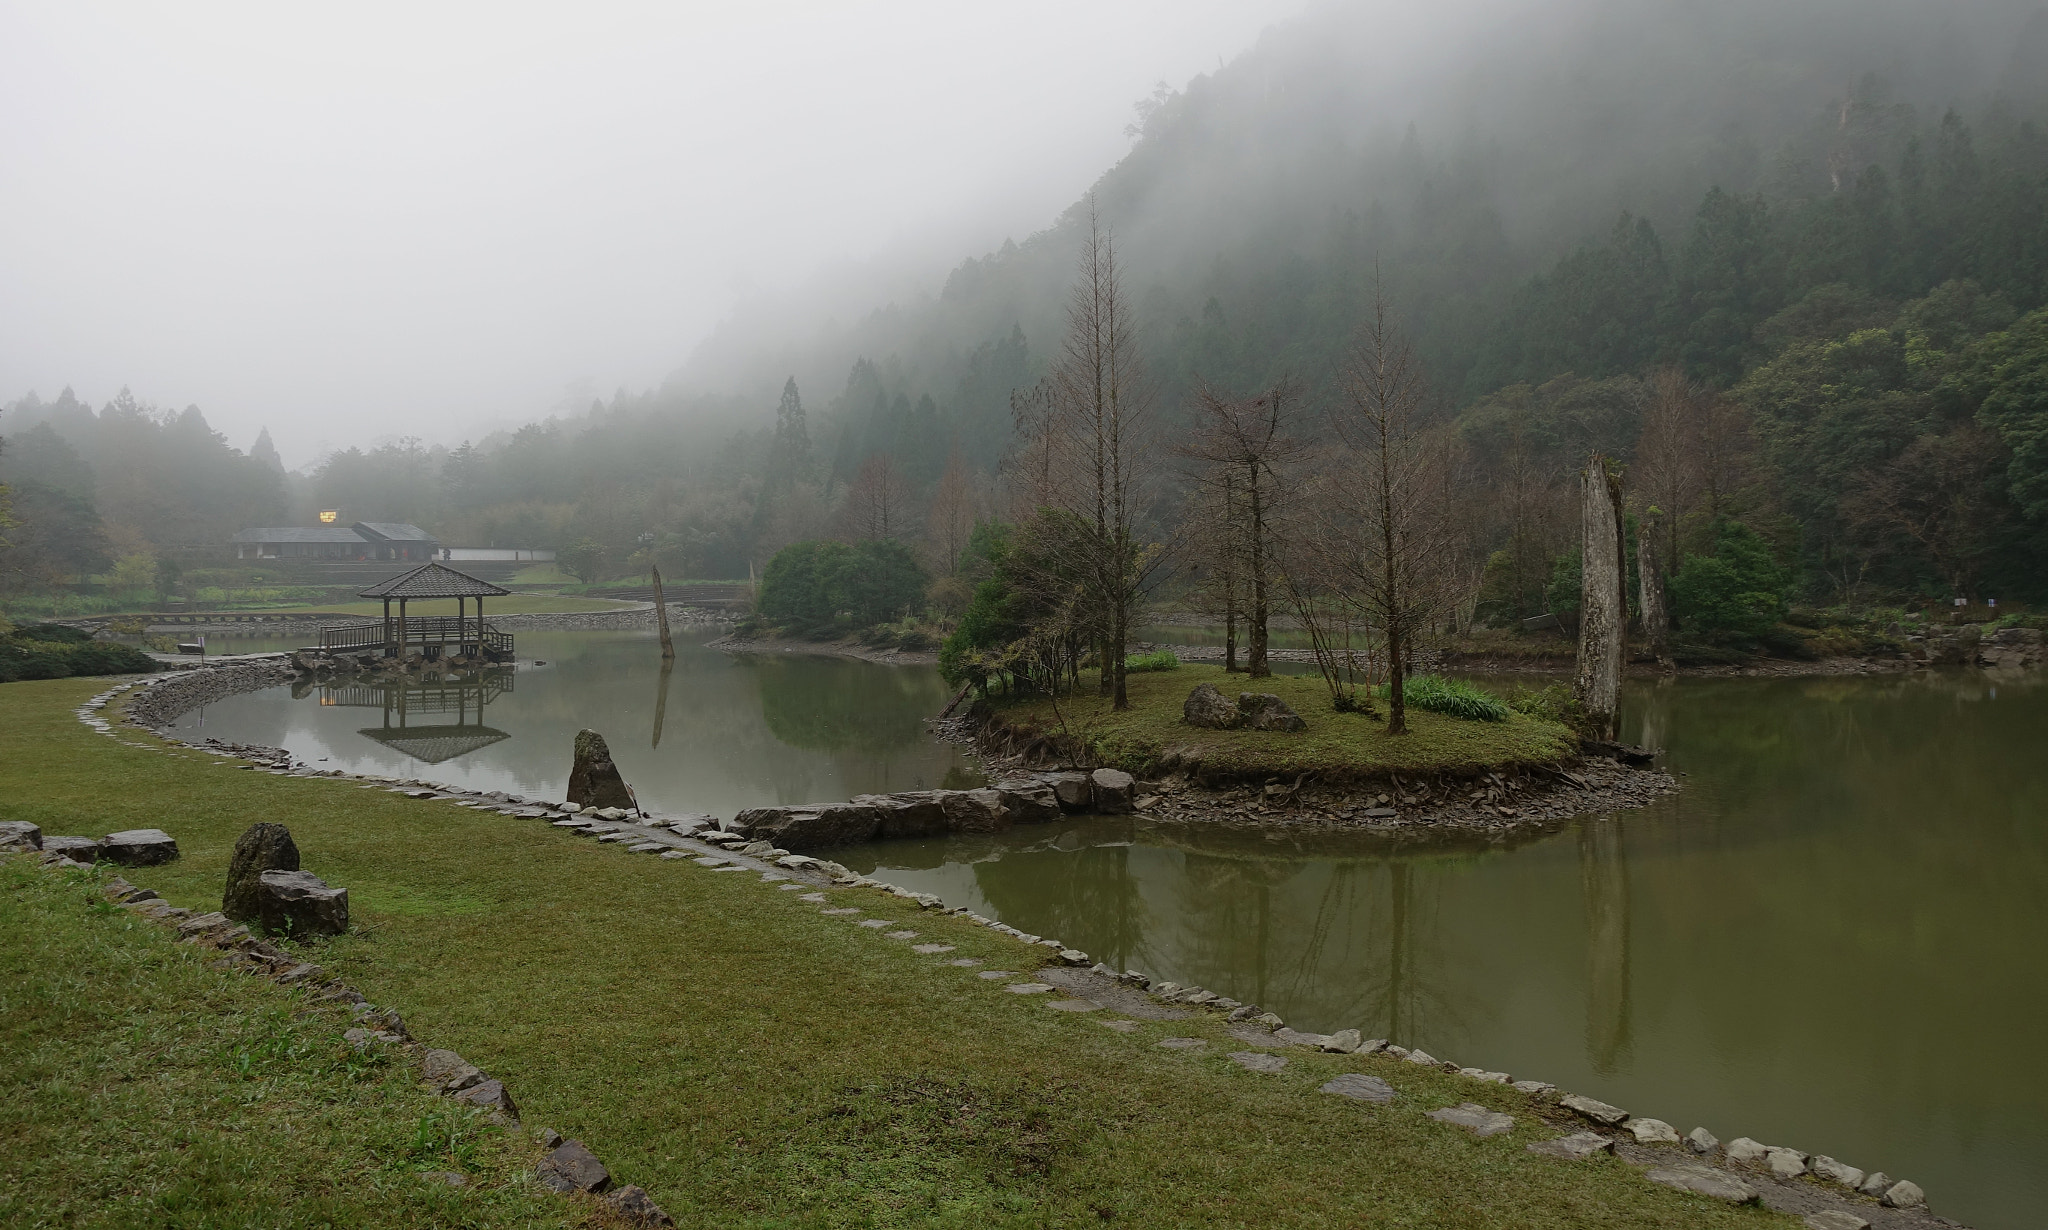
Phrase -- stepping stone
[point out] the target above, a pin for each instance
(647, 847)
(1027, 988)
(1182, 1044)
(734, 867)
(1481, 1121)
(1599, 1112)
(1716, 1184)
(965, 962)
(1835, 1219)
(770, 877)
(1576, 1147)
(1073, 1005)
(931, 950)
(791, 888)
(874, 922)
(675, 854)
(1257, 1061)
(707, 861)
(1651, 1131)
(1360, 1087)
(903, 935)
(841, 912)
(817, 898)
(1121, 1026)
(993, 974)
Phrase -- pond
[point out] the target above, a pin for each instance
(1835, 938)
(713, 734)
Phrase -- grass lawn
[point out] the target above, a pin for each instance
(1335, 745)
(748, 1060)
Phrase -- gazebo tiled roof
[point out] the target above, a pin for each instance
(432, 581)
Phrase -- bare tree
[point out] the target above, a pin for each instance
(1603, 599)
(1650, 605)
(1092, 421)
(1246, 450)
(875, 501)
(1211, 547)
(1667, 471)
(1395, 481)
(952, 513)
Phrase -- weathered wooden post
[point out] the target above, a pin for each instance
(1650, 589)
(668, 648)
(1603, 599)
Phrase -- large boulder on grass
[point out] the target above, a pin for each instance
(19, 835)
(1265, 711)
(1208, 708)
(300, 903)
(260, 848)
(594, 781)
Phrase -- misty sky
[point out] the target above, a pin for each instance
(368, 220)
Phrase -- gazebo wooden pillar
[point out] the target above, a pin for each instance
(437, 581)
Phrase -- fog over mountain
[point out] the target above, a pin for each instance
(1475, 143)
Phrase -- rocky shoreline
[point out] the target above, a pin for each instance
(1493, 804)
(734, 643)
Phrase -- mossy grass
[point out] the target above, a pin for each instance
(1150, 735)
(748, 1060)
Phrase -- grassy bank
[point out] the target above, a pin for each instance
(1336, 746)
(748, 1060)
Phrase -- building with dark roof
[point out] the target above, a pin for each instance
(365, 540)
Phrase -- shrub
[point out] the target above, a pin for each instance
(45, 651)
(1157, 660)
(1453, 697)
(1738, 589)
(820, 585)
(1551, 703)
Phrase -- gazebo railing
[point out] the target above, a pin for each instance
(418, 630)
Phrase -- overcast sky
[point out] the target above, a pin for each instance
(363, 220)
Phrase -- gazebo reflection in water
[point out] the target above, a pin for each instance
(405, 701)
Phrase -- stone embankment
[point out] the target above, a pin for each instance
(1827, 1193)
(735, 643)
(1492, 803)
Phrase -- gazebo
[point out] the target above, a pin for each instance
(433, 634)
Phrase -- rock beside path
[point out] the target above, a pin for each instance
(20, 835)
(77, 849)
(594, 781)
(300, 903)
(570, 1167)
(260, 848)
(139, 847)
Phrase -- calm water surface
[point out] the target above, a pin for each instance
(733, 732)
(1836, 938)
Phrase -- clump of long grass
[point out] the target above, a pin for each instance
(1157, 660)
(1452, 697)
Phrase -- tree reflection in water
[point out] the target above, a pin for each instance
(1603, 878)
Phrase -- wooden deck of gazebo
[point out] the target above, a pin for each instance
(433, 636)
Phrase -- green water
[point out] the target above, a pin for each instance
(733, 732)
(1835, 938)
